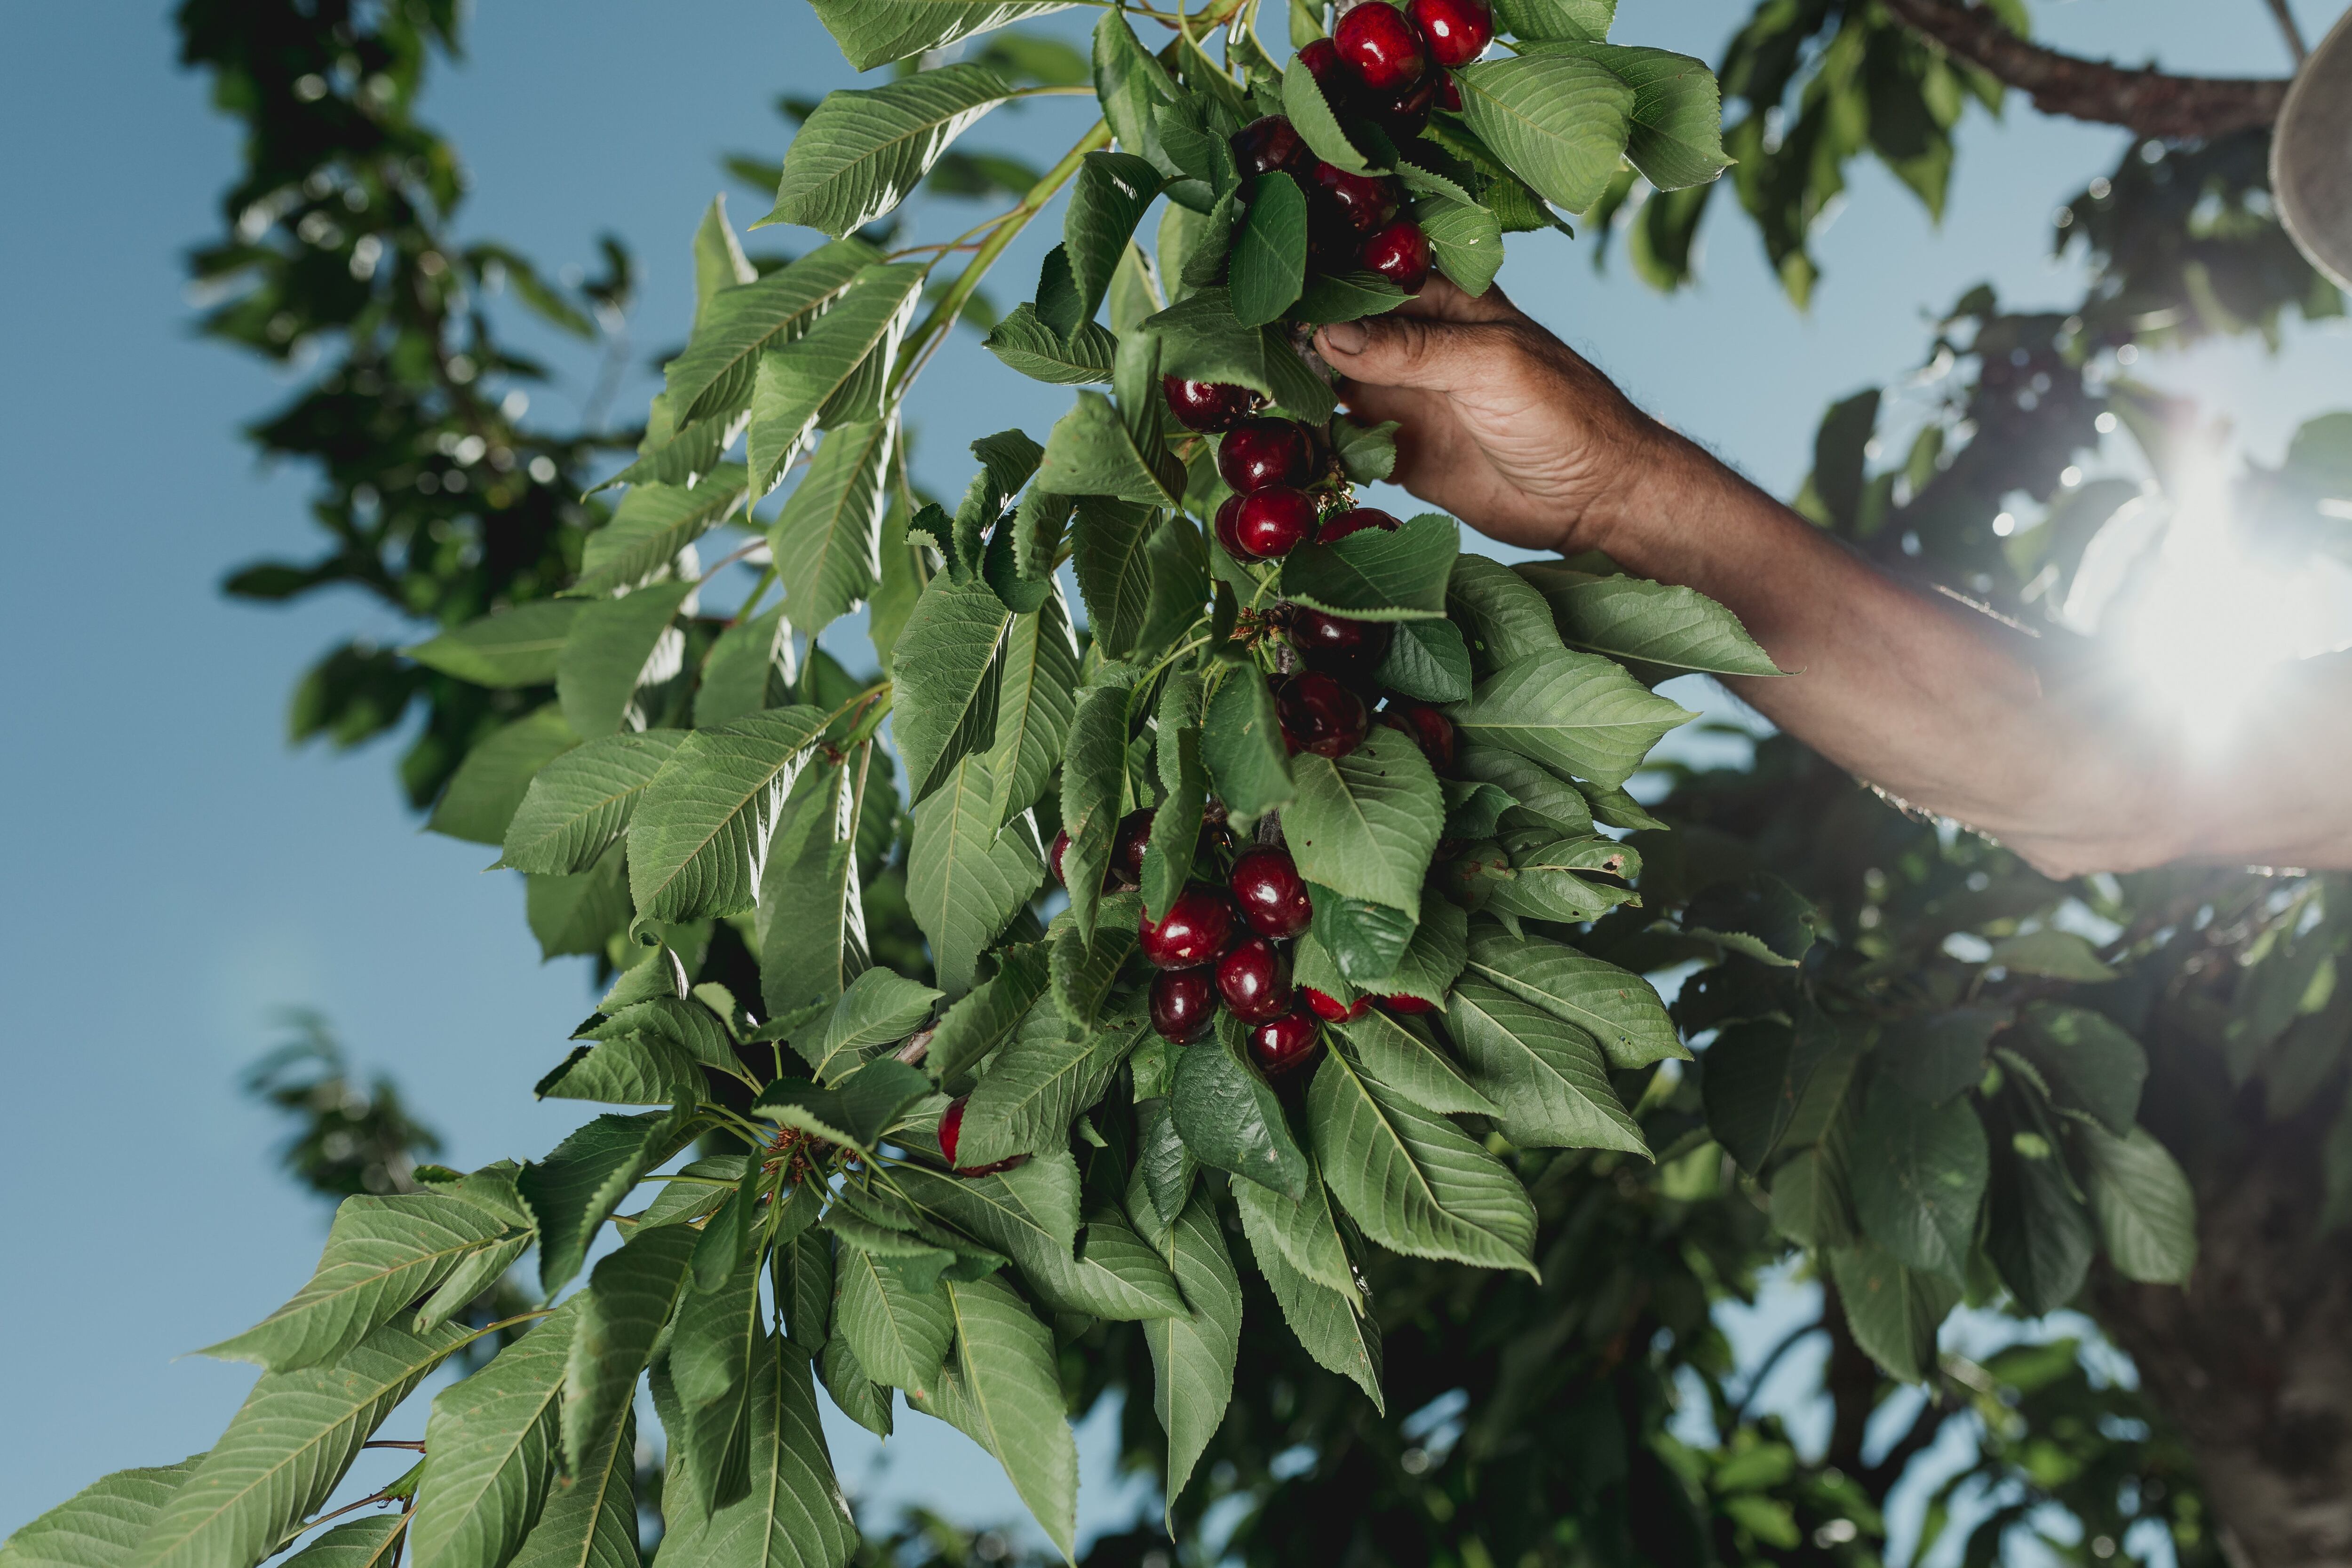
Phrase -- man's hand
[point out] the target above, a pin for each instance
(1504, 426)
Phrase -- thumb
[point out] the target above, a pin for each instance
(1405, 351)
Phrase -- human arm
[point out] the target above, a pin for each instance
(1931, 701)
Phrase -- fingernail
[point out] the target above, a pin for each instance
(1346, 337)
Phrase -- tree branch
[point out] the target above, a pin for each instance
(2149, 102)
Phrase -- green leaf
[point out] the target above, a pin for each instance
(1560, 123)
(898, 1335)
(1612, 807)
(1365, 940)
(287, 1449)
(718, 259)
(1193, 1355)
(514, 647)
(381, 1254)
(1500, 615)
(1893, 1312)
(879, 1008)
(1427, 661)
(1269, 259)
(2146, 1215)
(1344, 296)
(1535, 19)
(1414, 1182)
(1539, 792)
(357, 1544)
(489, 785)
(714, 376)
(944, 705)
(1617, 1008)
(99, 1526)
(834, 373)
(633, 1069)
(1031, 1214)
(811, 920)
(1676, 125)
(576, 1188)
(1037, 352)
(1094, 771)
(1036, 699)
(580, 804)
(748, 661)
(1323, 1316)
(1036, 1086)
(1933, 1057)
(1756, 1075)
(1658, 624)
(590, 1519)
(614, 646)
(1241, 747)
(700, 833)
(1548, 1075)
(1366, 451)
(490, 1451)
(1002, 1391)
(652, 524)
(1465, 240)
(1575, 712)
(876, 32)
(2056, 955)
(1402, 1061)
(1229, 1118)
(865, 150)
(828, 538)
(1377, 574)
(1084, 972)
(1129, 82)
(1202, 339)
(792, 1515)
(1110, 549)
(963, 882)
(1918, 1175)
(579, 913)
(2040, 1236)
(1176, 824)
(857, 1395)
(1089, 453)
(1108, 199)
(1758, 915)
(2093, 1065)
(1309, 113)
(1365, 825)
(629, 1298)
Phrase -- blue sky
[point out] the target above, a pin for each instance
(176, 874)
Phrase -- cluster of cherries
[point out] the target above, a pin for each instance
(1270, 463)
(1377, 65)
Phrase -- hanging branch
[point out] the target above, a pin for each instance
(2149, 102)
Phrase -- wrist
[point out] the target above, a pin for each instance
(1634, 498)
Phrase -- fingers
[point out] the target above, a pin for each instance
(1439, 299)
(1414, 351)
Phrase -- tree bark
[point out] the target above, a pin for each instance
(2253, 1361)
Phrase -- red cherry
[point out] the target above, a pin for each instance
(1259, 453)
(1355, 520)
(1404, 1004)
(1407, 111)
(1272, 894)
(1255, 979)
(1381, 46)
(1457, 31)
(1127, 849)
(952, 1133)
(1054, 856)
(1331, 1009)
(1399, 253)
(1274, 522)
(1184, 1004)
(1322, 61)
(1431, 730)
(1351, 204)
(1208, 406)
(1349, 649)
(1266, 145)
(1449, 95)
(1286, 1043)
(1319, 715)
(1198, 927)
(1228, 516)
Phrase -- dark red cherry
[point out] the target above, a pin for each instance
(1198, 926)
(1319, 715)
(1229, 516)
(1331, 1009)
(1255, 979)
(1266, 145)
(952, 1133)
(1351, 204)
(1456, 31)
(1404, 1004)
(1431, 730)
(1449, 95)
(1405, 113)
(1054, 856)
(1274, 522)
(1355, 520)
(1259, 453)
(1382, 47)
(1349, 649)
(1399, 253)
(1286, 1043)
(1127, 849)
(1208, 406)
(1184, 1004)
(1272, 894)
(1322, 61)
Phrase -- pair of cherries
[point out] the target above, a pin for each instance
(1352, 219)
(1217, 945)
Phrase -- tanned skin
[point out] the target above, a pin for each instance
(1940, 706)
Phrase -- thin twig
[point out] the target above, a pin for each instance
(2290, 31)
